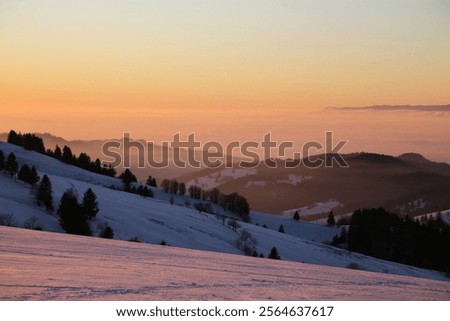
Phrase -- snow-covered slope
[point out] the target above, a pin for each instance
(220, 177)
(48, 266)
(179, 225)
(445, 216)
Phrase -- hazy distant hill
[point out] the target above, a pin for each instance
(406, 184)
(421, 162)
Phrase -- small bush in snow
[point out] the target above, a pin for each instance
(106, 232)
(32, 223)
(353, 266)
(233, 224)
(7, 220)
(246, 242)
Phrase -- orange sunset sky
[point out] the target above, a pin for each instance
(229, 70)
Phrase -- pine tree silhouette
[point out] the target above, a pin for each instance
(34, 176)
(89, 204)
(24, 173)
(330, 220)
(2, 160)
(274, 254)
(11, 164)
(44, 193)
(71, 214)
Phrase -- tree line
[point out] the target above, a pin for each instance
(385, 235)
(32, 142)
(233, 202)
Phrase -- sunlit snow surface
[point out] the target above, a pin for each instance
(154, 220)
(51, 266)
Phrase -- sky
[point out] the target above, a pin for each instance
(228, 70)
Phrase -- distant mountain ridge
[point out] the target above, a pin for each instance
(420, 161)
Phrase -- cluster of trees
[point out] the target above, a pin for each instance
(27, 141)
(28, 175)
(83, 161)
(32, 142)
(172, 186)
(128, 178)
(74, 216)
(42, 188)
(232, 202)
(151, 181)
(385, 235)
(237, 204)
(10, 164)
(197, 192)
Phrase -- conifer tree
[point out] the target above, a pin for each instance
(57, 154)
(127, 178)
(34, 176)
(274, 254)
(71, 214)
(330, 220)
(33, 142)
(24, 174)
(14, 138)
(151, 181)
(44, 193)
(67, 156)
(107, 233)
(2, 160)
(165, 185)
(173, 186)
(181, 189)
(89, 204)
(281, 229)
(11, 164)
(296, 216)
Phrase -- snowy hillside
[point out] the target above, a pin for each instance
(220, 177)
(317, 208)
(48, 266)
(445, 215)
(153, 220)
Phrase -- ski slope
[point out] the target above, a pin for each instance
(153, 220)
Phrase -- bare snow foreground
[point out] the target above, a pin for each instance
(51, 266)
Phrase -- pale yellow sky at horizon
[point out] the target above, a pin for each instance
(227, 69)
